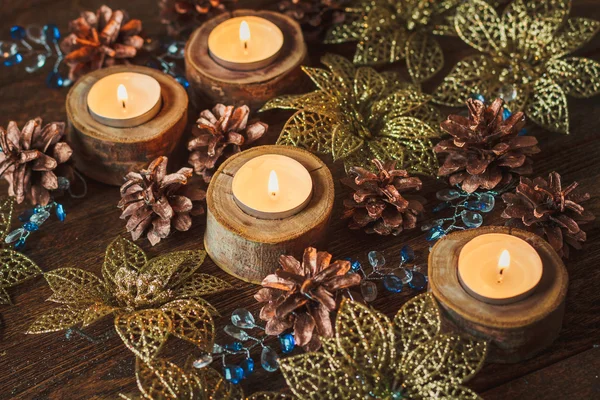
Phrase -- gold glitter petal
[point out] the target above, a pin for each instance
(322, 79)
(368, 83)
(122, 253)
(548, 106)
(57, 319)
(4, 297)
(6, 210)
(174, 268)
(381, 45)
(191, 322)
(308, 130)
(577, 76)
(144, 332)
(576, 33)
(350, 30)
(344, 143)
(215, 387)
(417, 322)
(96, 312)
(317, 102)
(75, 286)
(161, 379)
(340, 67)
(16, 268)
(478, 25)
(473, 74)
(200, 285)
(443, 390)
(424, 56)
(269, 396)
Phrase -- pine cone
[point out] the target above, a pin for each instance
(153, 197)
(546, 209)
(379, 204)
(219, 135)
(303, 295)
(32, 159)
(485, 149)
(100, 39)
(313, 15)
(182, 16)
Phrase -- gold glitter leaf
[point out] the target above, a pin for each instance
(269, 396)
(322, 79)
(424, 56)
(340, 67)
(16, 268)
(344, 143)
(308, 130)
(417, 322)
(470, 75)
(6, 210)
(368, 83)
(4, 297)
(57, 319)
(215, 387)
(161, 379)
(191, 322)
(122, 253)
(176, 267)
(350, 30)
(577, 76)
(441, 390)
(380, 46)
(478, 25)
(548, 106)
(95, 312)
(201, 285)
(75, 286)
(317, 102)
(576, 33)
(144, 332)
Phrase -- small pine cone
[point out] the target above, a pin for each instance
(182, 16)
(155, 201)
(379, 203)
(100, 39)
(220, 134)
(313, 15)
(546, 209)
(33, 159)
(485, 150)
(302, 296)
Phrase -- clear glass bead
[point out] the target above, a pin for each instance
(447, 194)
(7, 49)
(392, 283)
(40, 218)
(376, 259)
(14, 235)
(34, 61)
(471, 219)
(242, 318)
(236, 332)
(203, 361)
(488, 202)
(404, 274)
(368, 289)
(35, 33)
(508, 93)
(269, 359)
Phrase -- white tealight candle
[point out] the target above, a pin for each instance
(245, 43)
(124, 99)
(272, 187)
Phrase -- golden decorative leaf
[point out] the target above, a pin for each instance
(269, 396)
(308, 130)
(478, 25)
(577, 76)
(6, 210)
(381, 45)
(215, 387)
(341, 68)
(398, 105)
(16, 268)
(4, 297)
(57, 319)
(75, 286)
(441, 390)
(427, 113)
(191, 322)
(161, 379)
(344, 143)
(473, 74)
(122, 253)
(96, 311)
(384, 148)
(417, 322)
(368, 84)
(317, 102)
(144, 332)
(211, 309)
(174, 268)
(350, 30)
(200, 285)
(322, 79)
(548, 106)
(575, 33)
(424, 56)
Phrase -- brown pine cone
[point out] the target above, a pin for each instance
(33, 158)
(313, 15)
(485, 149)
(182, 16)
(546, 209)
(100, 39)
(219, 135)
(379, 203)
(155, 201)
(303, 295)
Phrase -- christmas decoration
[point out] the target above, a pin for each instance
(485, 150)
(547, 209)
(379, 203)
(33, 159)
(100, 39)
(155, 201)
(371, 356)
(219, 134)
(314, 15)
(524, 59)
(302, 296)
(182, 16)
(358, 114)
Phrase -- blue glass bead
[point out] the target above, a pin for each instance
(435, 233)
(20, 243)
(17, 32)
(487, 202)
(269, 359)
(54, 80)
(182, 81)
(477, 96)
(471, 219)
(407, 254)
(392, 283)
(473, 205)
(31, 226)
(13, 60)
(248, 367)
(235, 346)
(26, 215)
(233, 373)
(506, 113)
(52, 32)
(60, 212)
(176, 49)
(287, 342)
(418, 281)
(447, 194)
(441, 206)
(242, 318)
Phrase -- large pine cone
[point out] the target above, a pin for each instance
(485, 149)
(182, 16)
(545, 208)
(379, 203)
(155, 201)
(100, 39)
(302, 296)
(33, 158)
(220, 134)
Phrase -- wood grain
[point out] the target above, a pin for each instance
(52, 367)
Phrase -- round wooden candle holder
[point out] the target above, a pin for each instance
(211, 83)
(249, 248)
(516, 331)
(107, 154)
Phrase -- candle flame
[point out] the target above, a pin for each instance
(244, 33)
(273, 184)
(503, 264)
(122, 94)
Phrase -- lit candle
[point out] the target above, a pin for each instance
(498, 268)
(124, 99)
(272, 187)
(245, 43)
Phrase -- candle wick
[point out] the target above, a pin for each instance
(123, 103)
(245, 45)
(501, 275)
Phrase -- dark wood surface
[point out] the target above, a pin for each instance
(53, 367)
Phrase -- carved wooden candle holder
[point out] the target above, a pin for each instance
(248, 247)
(211, 82)
(516, 331)
(107, 153)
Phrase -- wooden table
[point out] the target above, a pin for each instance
(51, 366)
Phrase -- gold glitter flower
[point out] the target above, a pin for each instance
(373, 357)
(150, 299)
(15, 267)
(523, 60)
(358, 114)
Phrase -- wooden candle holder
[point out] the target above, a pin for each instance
(516, 331)
(249, 248)
(211, 83)
(107, 154)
